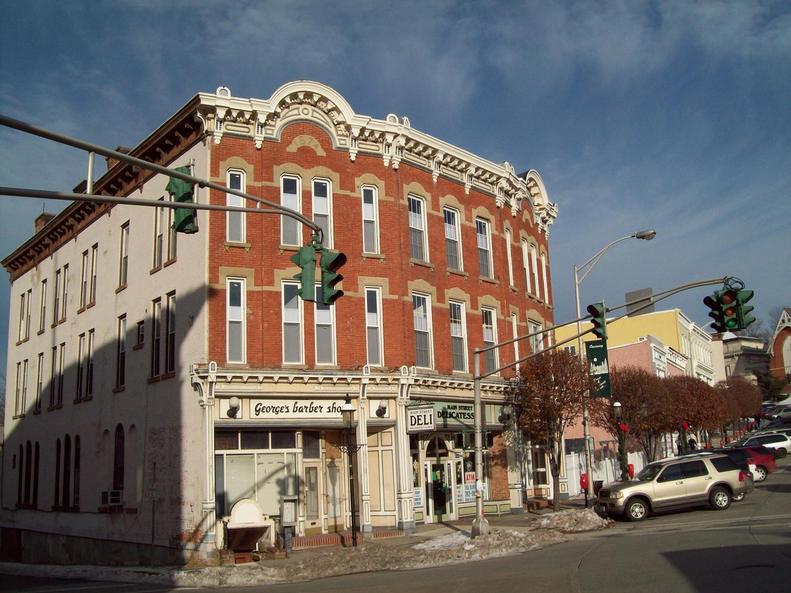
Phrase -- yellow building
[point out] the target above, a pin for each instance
(690, 344)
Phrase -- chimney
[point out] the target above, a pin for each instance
(637, 299)
(42, 220)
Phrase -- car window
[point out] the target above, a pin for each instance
(774, 438)
(672, 472)
(694, 469)
(723, 464)
(649, 472)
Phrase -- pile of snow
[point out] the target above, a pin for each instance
(573, 521)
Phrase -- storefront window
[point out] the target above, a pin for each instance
(226, 439)
(258, 439)
(284, 440)
(311, 445)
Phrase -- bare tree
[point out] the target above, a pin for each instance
(547, 399)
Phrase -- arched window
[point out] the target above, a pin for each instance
(28, 468)
(66, 471)
(76, 495)
(56, 500)
(118, 459)
(35, 476)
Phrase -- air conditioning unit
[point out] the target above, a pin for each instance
(112, 498)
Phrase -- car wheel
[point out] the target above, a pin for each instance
(780, 453)
(636, 510)
(738, 497)
(760, 473)
(719, 499)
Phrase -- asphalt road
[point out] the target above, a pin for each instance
(746, 548)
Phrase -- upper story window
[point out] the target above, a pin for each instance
(421, 314)
(235, 230)
(537, 341)
(544, 276)
(526, 265)
(84, 280)
(78, 392)
(89, 365)
(515, 334)
(171, 232)
(21, 388)
(489, 319)
(235, 306)
(325, 330)
(160, 220)
(370, 220)
(120, 353)
(458, 336)
(373, 326)
(292, 324)
(417, 229)
(170, 333)
(509, 257)
(452, 239)
(39, 382)
(88, 277)
(64, 297)
(534, 266)
(92, 278)
(56, 297)
(156, 338)
(322, 208)
(24, 315)
(123, 255)
(290, 198)
(484, 238)
(42, 306)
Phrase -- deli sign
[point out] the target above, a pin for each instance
(421, 418)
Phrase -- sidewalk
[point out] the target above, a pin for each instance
(430, 545)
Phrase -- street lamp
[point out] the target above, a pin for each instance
(645, 235)
(348, 446)
(617, 412)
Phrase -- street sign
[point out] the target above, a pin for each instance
(596, 351)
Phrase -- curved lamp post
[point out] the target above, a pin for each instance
(586, 268)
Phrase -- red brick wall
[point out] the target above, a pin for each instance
(265, 257)
(778, 364)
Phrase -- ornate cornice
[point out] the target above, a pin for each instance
(392, 138)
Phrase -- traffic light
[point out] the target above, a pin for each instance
(305, 258)
(713, 303)
(181, 191)
(598, 313)
(742, 310)
(331, 262)
(730, 309)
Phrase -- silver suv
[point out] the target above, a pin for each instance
(673, 484)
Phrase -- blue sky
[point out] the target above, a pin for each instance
(672, 115)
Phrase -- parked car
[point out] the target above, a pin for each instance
(742, 460)
(681, 482)
(764, 461)
(780, 443)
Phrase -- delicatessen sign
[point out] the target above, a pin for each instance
(281, 409)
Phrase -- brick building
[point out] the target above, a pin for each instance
(158, 379)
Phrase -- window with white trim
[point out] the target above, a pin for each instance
(61, 366)
(171, 231)
(290, 198)
(536, 342)
(484, 239)
(64, 297)
(39, 382)
(322, 208)
(42, 306)
(123, 255)
(421, 314)
(84, 280)
(170, 333)
(292, 324)
(92, 277)
(160, 220)
(417, 229)
(544, 276)
(515, 334)
(236, 329)
(21, 388)
(370, 219)
(452, 239)
(56, 296)
(53, 376)
(458, 336)
(89, 365)
(324, 330)
(373, 326)
(120, 353)
(25, 303)
(509, 257)
(526, 265)
(156, 338)
(489, 320)
(534, 266)
(235, 222)
(78, 392)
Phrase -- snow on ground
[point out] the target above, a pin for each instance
(573, 521)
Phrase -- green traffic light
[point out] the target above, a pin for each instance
(728, 300)
(331, 262)
(743, 310)
(181, 191)
(598, 313)
(305, 258)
